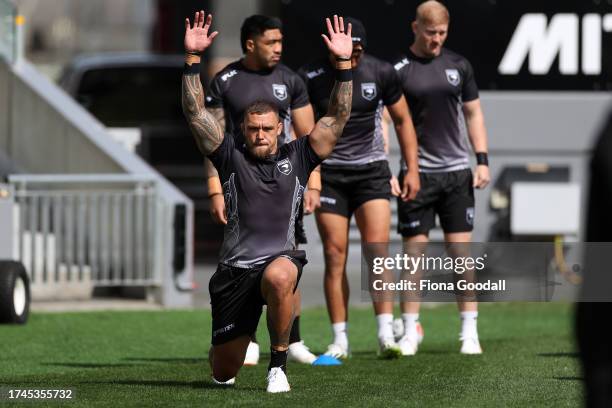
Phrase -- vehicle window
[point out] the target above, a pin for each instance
(131, 97)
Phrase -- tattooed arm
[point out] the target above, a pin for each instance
(329, 128)
(216, 206)
(219, 115)
(206, 130)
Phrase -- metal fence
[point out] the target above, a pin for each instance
(88, 230)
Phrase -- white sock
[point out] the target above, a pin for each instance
(385, 325)
(340, 333)
(469, 324)
(410, 324)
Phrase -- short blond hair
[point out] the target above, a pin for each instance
(432, 12)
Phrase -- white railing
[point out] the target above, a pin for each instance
(74, 232)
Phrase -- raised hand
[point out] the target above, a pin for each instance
(196, 37)
(339, 42)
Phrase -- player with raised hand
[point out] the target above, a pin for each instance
(259, 263)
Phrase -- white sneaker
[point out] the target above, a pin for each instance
(398, 330)
(227, 383)
(337, 351)
(408, 346)
(300, 353)
(277, 381)
(389, 349)
(470, 345)
(252, 355)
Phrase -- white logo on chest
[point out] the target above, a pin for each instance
(452, 76)
(368, 90)
(284, 166)
(279, 91)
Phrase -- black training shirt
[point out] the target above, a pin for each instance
(435, 89)
(262, 199)
(375, 84)
(235, 87)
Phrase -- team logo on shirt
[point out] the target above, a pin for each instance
(469, 215)
(453, 77)
(284, 166)
(280, 91)
(401, 64)
(228, 75)
(368, 90)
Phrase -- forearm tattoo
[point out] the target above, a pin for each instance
(219, 114)
(339, 109)
(206, 130)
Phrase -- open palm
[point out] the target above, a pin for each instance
(196, 37)
(339, 42)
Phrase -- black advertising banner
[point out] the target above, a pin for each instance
(512, 44)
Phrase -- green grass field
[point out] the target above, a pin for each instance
(158, 358)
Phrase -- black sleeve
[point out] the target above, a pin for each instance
(469, 92)
(307, 156)
(299, 94)
(390, 84)
(214, 96)
(222, 157)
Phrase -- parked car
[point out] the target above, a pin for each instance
(138, 98)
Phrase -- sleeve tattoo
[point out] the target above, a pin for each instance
(206, 130)
(219, 114)
(339, 109)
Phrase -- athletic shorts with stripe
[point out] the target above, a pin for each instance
(344, 189)
(236, 300)
(450, 195)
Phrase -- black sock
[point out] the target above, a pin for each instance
(294, 336)
(253, 337)
(278, 359)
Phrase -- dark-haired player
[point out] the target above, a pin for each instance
(260, 75)
(263, 186)
(356, 179)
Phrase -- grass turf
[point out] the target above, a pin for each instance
(119, 359)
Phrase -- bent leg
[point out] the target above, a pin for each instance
(227, 358)
(277, 286)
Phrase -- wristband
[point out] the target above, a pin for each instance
(199, 54)
(344, 75)
(482, 159)
(214, 186)
(343, 58)
(193, 69)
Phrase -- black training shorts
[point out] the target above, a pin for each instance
(448, 194)
(236, 300)
(344, 189)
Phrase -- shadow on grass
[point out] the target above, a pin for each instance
(160, 383)
(170, 360)
(92, 365)
(563, 354)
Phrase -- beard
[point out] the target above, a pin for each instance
(260, 152)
